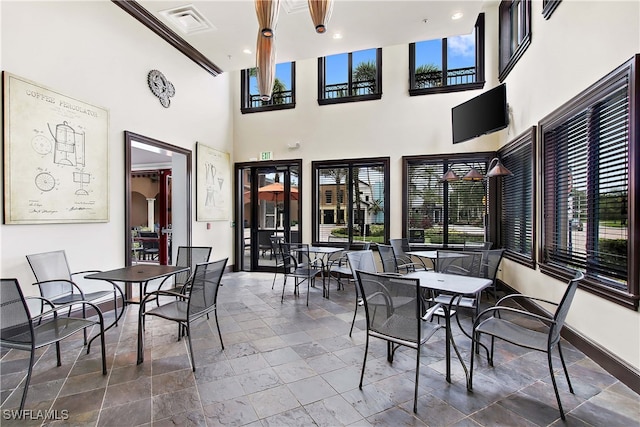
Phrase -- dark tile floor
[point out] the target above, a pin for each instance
(288, 364)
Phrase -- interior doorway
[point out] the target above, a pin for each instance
(166, 171)
(268, 205)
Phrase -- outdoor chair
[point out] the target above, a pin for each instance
(57, 285)
(363, 261)
(337, 267)
(150, 244)
(395, 313)
(23, 331)
(198, 300)
(405, 261)
(188, 256)
(299, 266)
(388, 258)
(276, 253)
(466, 264)
(491, 260)
(514, 325)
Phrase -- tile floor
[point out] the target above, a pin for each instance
(288, 364)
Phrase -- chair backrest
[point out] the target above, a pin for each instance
(275, 247)
(294, 254)
(491, 262)
(392, 305)
(388, 258)
(190, 256)
(361, 260)
(51, 266)
(203, 292)
(15, 318)
(400, 247)
(463, 263)
(563, 308)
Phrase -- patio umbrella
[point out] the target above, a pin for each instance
(275, 192)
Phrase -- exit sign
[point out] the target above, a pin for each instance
(266, 155)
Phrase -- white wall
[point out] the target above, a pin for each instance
(579, 44)
(96, 52)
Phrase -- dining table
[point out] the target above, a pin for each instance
(457, 286)
(322, 253)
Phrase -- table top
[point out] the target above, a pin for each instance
(434, 254)
(452, 283)
(324, 249)
(137, 273)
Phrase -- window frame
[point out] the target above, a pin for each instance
(245, 96)
(351, 98)
(525, 141)
(385, 162)
(491, 227)
(583, 101)
(506, 56)
(479, 65)
(548, 7)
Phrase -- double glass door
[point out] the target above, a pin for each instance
(270, 209)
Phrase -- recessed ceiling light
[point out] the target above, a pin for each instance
(457, 15)
(247, 51)
(337, 36)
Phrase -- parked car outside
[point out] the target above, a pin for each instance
(576, 224)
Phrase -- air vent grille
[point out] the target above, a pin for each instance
(187, 19)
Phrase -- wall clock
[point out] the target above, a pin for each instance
(161, 87)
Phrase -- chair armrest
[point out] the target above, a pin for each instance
(55, 310)
(513, 296)
(163, 293)
(431, 311)
(496, 311)
(71, 282)
(42, 299)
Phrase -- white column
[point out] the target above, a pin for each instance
(150, 214)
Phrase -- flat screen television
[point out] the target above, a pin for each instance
(486, 113)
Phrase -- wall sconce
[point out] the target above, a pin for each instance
(320, 14)
(496, 168)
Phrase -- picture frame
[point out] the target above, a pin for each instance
(56, 156)
(213, 184)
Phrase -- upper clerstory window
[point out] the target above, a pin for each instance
(349, 77)
(284, 90)
(514, 26)
(448, 65)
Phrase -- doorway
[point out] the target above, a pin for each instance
(168, 212)
(269, 195)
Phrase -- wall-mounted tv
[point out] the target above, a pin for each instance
(486, 113)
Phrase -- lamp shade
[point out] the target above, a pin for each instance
(320, 11)
(498, 170)
(266, 65)
(267, 13)
(449, 176)
(473, 175)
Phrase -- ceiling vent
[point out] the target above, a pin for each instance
(294, 6)
(187, 19)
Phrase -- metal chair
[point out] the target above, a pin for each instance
(403, 259)
(56, 283)
(491, 260)
(276, 253)
(467, 264)
(197, 301)
(395, 313)
(388, 258)
(22, 331)
(150, 244)
(363, 261)
(299, 266)
(491, 322)
(188, 256)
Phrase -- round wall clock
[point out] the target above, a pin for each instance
(161, 87)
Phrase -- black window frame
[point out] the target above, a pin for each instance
(385, 162)
(479, 66)
(518, 199)
(245, 97)
(322, 100)
(581, 104)
(507, 55)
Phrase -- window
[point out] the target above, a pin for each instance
(517, 196)
(448, 65)
(514, 33)
(351, 218)
(587, 191)
(284, 90)
(350, 77)
(449, 213)
(328, 197)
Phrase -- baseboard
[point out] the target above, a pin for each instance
(607, 360)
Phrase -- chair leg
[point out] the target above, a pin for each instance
(58, 353)
(215, 314)
(555, 386)
(364, 362)
(474, 345)
(355, 311)
(415, 392)
(284, 283)
(141, 319)
(28, 379)
(104, 351)
(193, 362)
(564, 366)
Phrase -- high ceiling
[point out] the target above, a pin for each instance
(363, 24)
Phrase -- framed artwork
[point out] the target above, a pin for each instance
(213, 184)
(56, 156)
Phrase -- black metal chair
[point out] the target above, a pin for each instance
(395, 313)
(491, 260)
(150, 245)
(198, 300)
(276, 253)
(502, 321)
(299, 266)
(188, 256)
(56, 282)
(22, 331)
(363, 261)
(404, 260)
(388, 258)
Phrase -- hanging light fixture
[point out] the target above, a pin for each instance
(320, 14)
(266, 65)
(449, 176)
(498, 169)
(267, 13)
(473, 175)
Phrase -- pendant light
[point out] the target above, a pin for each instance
(267, 13)
(449, 176)
(498, 170)
(473, 175)
(266, 65)
(320, 14)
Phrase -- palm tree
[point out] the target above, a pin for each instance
(338, 176)
(278, 87)
(428, 75)
(365, 72)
